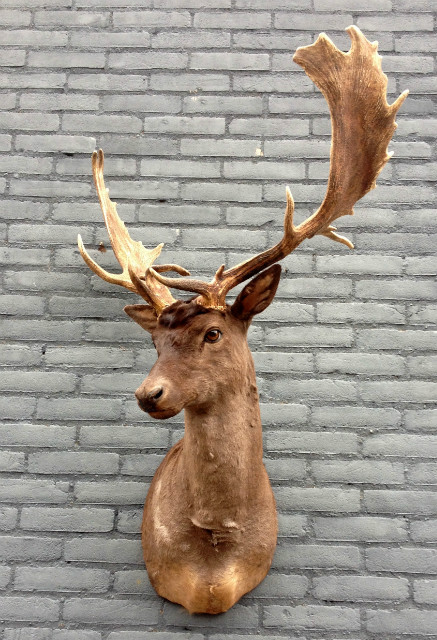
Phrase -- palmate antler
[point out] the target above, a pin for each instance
(134, 259)
(362, 126)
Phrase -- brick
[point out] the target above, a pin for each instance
(101, 123)
(27, 548)
(280, 469)
(312, 617)
(13, 58)
(239, 617)
(193, 39)
(151, 19)
(142, 103)
(190, 82)
(301, 337)
(421, 419)
(213, 191)
(395, 23)
(13, 18)
(73, 462)
(44, 491)
(102, 357)
(221, 104)
(5, 574)
(41, 102)
(279, 585)
(402, 391)
(317, 499)
(61, 579)
(140, 464)
(405, 621)
(148, 60)
(423, 473)
(71, 18)
(115, 550)
(414, 502)
(25, 37)
(311, 442)
(32, 609)
(107, 81)
(111, 492)
(360, 363)
(30, 435)
(19, 355)
(358, 472)
(230, 61)
(129, 520)
(352, 5)
(338, 390)
(179, 214)
(47, 189)
(415, 42)
(361, 528)
(360, 588)
(271, 362)
(235, 20)
(415, 5)
(11, 461)
(262, 170)
(424, 531)
(33, 81)
(133, 582)
(64, 144)
(115, 383)
(8, 518)
(108, 39)
(406, 445)
(66, 60)
(222, 147)
(315, 288)
(180, 168)
(79, 409)
(425, 591)
(20, 164)
(29, 121)
(25, 305)
(396, 339)
(277, 414)
(44, 281)
(112, 611)
(83, 519)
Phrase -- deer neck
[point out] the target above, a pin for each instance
(222, 455)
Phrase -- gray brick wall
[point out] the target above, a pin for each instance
(204, 120)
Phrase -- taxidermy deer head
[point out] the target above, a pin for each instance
(209, 528)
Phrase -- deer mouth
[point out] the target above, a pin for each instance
(163, 414)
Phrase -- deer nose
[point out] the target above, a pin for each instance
(148, 399)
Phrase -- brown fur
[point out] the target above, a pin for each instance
(209, 528)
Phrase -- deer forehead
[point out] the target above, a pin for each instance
(185, 323)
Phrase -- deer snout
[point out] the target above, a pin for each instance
(148, 398)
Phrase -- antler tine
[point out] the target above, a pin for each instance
(133, 257)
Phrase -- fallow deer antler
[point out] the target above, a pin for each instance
(362, 125)
(133, 257)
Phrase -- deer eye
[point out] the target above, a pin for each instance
(213, 335)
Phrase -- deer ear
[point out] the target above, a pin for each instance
(144, 315)
(258, 294)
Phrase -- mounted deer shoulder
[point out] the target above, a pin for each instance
(209, 528)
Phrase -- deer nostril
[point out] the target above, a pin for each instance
(155, 393)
